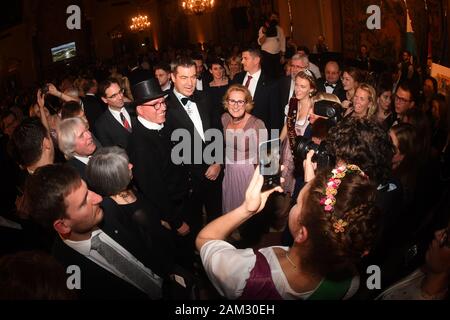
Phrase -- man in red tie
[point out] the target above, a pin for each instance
(114, 126)
(264, 90)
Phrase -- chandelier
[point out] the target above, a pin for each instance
(197, 7)
(139, 23)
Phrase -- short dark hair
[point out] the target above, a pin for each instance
(25, 145)
(46, 190)
(410, 87)
(254, 51)
(184, 62)
(162, 66)
(365, 143)
(70, 109)
(88, 84)
(105, 84)
(304, 49)
(5, 114)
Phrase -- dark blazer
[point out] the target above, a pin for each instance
(79, 166)
(267, 101)
(110, 132)
(162, 183)
(177, 118)
(98, 283)
(93, 108)
(284, 84)
(338, 90)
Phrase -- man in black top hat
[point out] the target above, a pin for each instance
(149, 150)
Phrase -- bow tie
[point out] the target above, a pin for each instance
(333, 85)
(184, 101)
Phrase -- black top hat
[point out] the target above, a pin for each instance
(146, 91)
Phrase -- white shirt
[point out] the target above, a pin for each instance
(83, 159)
(116, 115)
(315, 70)
(273, 45)
(150, 125)
(84, 247)
(199, 85)
(253, 81)
(194, 115)
(166, 87)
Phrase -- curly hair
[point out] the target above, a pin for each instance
(337, 254)
(365, 143)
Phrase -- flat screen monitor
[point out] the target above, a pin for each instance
(64, 52)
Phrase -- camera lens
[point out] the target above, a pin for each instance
(304, 145)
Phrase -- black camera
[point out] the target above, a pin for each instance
(44, 89)
(321, 154)
(328, 109)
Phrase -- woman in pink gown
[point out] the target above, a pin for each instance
(242, 132)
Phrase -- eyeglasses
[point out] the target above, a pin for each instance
(401, 100)
(115, 95)
(445, 242)
(240, 103)
(157, 105)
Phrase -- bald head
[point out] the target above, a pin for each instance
(332, 72)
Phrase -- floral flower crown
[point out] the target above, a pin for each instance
(333, 183)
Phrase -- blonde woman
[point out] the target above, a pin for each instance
(364, 102)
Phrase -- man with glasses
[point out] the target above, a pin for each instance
(404, 99)
(114, 126)
(149, 149)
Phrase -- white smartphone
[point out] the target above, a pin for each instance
(269, 163)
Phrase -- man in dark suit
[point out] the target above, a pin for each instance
(332, 82)
(264, 91)
(114, 126)
(89, 238)
(162, 73)
(93, 106)
(192, 114)
(149, 150)
(76, 143)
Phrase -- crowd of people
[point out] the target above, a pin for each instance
(106, 170)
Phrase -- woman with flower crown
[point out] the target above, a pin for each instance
(333, 225)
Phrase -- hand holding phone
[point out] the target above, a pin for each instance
(269, 163)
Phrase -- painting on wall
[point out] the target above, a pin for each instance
(442, 75)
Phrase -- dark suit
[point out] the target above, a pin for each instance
(112, 133)
(79, 166)
(203, 190)
(97, 282)
(337, 91)
(162, 183)
(93, 108)
(267, 101)
(284, 85)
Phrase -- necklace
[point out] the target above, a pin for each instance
(290, 261)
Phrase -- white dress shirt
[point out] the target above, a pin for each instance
(84, 247)
(194, 115)
(83, 159)
(253, 81)
(199, 85)
(116, 115)
(150, 125)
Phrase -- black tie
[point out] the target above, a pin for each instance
(184, 101)
(327, 84)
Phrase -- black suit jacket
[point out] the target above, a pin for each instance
(284, 84)
(177, 118)
(110, 132)
(162, 183)
(267, 101)
(338, 90)
(93, 108)
(97, 282)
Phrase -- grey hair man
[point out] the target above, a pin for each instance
(76, 143)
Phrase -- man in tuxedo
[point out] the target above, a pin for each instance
(193, 114)
(332, 83)
(114, 126)
(93, 106)
(264, 91)
(203, 76)
(112, 263)
(76, 143)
